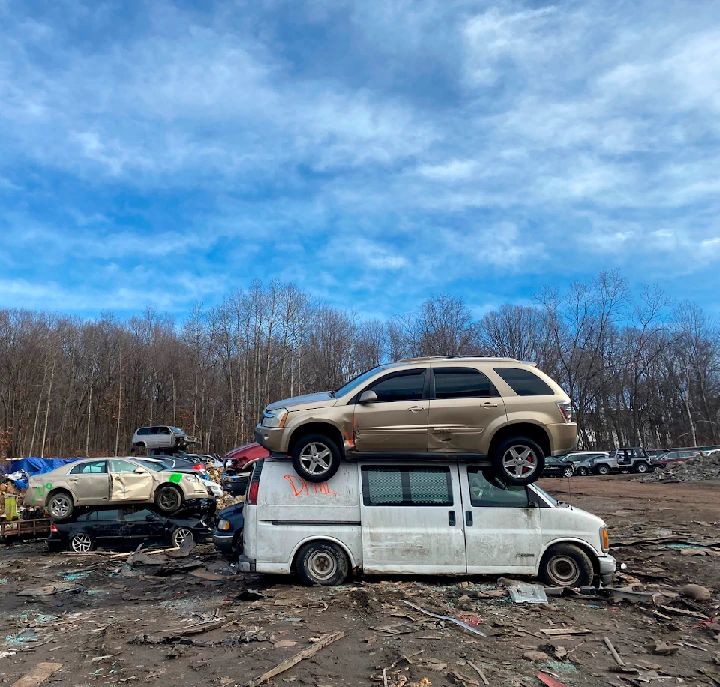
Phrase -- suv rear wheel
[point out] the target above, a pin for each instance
(642, 468)
(316, 457)
(602, 469)
(517, 460)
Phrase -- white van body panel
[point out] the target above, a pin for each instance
(415, 539)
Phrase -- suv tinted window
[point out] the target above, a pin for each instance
(407, 385)
(97, 467)
(523, 382)
(387, 486)
(462, 382)
(143, 430)
(487, 492)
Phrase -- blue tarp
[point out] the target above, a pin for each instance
(34, 466)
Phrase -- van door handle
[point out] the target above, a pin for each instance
(468, 518)
(488, 404)
(451, 520)
(415, 409)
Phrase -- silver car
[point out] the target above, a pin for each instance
(107, 481)
(161, 436)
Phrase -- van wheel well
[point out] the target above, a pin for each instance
(323, 428)
(321, 540)
(587, 550)
(522, 429)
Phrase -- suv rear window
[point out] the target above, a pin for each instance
(389, 486)
(462, 382)
(523, 382)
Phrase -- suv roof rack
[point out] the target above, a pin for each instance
(463, 357)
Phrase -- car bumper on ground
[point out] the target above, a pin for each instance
(608, 566)
(245, 564)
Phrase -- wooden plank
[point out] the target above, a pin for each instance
(37, 675)
(324, 641)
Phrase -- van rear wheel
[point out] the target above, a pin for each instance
(322, 563)
(316, 457)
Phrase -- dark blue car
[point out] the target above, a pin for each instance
(228, 531)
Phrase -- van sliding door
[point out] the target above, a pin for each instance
(412, 519)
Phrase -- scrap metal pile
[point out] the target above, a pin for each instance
(698, 469)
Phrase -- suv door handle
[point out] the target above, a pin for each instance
(451, 519)
(489, 404)
(415, 409)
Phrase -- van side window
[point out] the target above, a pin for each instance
(407, 385)
(523, 382)
(389, 486)
(488, 492)
(462, 382)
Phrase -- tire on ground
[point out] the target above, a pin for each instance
(510, 449)
(180, 535)
(314, 452)
(60, 504)
(81, 542)
(602, 469)
(322, 563)
(642, 468)
(168, 498)
(566, 565)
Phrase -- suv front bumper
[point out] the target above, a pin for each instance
(271, 438)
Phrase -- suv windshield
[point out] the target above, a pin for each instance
(356, 382)
(175, 430)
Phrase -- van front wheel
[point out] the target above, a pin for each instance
(316, 458)
(566, 565)
(322, 563)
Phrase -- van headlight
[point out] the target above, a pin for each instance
(274, 419)
(604, 540)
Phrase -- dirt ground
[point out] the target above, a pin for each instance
(190, 620)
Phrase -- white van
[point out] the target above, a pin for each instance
(417, 518)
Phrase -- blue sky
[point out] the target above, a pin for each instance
(373, 152)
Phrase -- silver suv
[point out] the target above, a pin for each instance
(161, 436)
(496, 411)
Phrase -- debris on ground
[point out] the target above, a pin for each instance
(700, 469)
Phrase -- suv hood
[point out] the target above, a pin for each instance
(308, 402)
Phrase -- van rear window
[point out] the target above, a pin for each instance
(405, 486)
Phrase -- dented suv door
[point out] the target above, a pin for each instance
(463, 404)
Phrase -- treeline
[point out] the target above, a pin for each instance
(639, 371)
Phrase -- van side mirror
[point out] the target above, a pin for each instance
(368, 397)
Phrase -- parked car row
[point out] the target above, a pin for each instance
(636, 460)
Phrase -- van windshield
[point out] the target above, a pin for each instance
(544, 494)
(355, 383)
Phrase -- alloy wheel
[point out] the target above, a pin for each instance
(81, 543)
(519, 461)
(60, 506)
(315, 458)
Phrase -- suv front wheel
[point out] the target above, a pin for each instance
(316, 457)
(517, 461)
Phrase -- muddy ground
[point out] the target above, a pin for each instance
(191, 621)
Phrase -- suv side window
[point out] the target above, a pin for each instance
(462, 382)
(143, 430)
(163, 430)
(523, 382)
(407, 385)
(488, 492)
(97, 467)
(399, 486)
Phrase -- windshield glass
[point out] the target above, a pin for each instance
(155, 467)
(357, 382)
(175, 430)
(543, 493)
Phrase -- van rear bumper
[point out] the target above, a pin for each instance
(246, 564)
(607, 568)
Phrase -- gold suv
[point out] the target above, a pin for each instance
(495, 411)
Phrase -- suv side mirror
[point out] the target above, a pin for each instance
(140, 471)
(368, 397)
